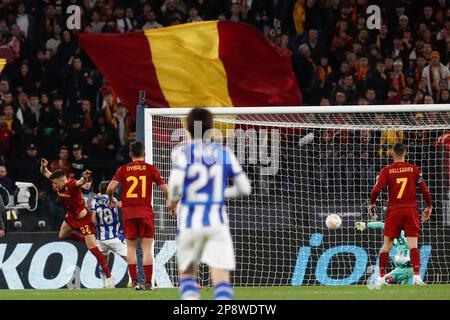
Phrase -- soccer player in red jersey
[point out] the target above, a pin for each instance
(401, 179)
(136, 179)
(79, 223)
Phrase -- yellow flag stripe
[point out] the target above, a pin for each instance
(189, 70)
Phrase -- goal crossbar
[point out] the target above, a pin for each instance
(309, 109)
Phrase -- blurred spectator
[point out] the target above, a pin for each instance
(104, 139)
(193, 15)
(124, 150)
(6, 137)
(66, 49)
(340, 98)
(24, 81)
(378, 81)
(12, 122)
(5, 180)
(54, 41)
(151, 22)
(79, 82)
(74, 132)
(123, 22)
(88, 115)
(444, 97)
(29, 167)
(62, 162)
(435, 72)
(371, 96)
(396, 77)
(123, 122)
(27, 23)
(109, 106)
(304, 69)
(79, 161)
(347, 86)
(316, 46)
(96, 23)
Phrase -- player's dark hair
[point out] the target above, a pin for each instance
(202, 116)
(399, 149)
(57, 174)
(103, 186)
(137, 149)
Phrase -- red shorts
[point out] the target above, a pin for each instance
(139, 228)
(84, 225)
(399, 219)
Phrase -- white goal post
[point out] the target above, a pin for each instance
(306, 163)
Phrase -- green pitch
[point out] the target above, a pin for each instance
(432, 292)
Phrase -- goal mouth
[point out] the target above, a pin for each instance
(306, 163)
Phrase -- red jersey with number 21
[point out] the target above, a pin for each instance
(136, 179)
(401, 178)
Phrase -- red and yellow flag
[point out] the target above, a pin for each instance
(210, 64)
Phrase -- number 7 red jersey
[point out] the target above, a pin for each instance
(401, 179)
(136, 179)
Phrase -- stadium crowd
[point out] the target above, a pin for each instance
(54, 103)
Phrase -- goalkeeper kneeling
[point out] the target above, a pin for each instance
(403, 272)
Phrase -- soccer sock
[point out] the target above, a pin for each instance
(415, 260)
(101, 260)
(384, 258)
(132, 270)
(148, 271)
(189, 289)
(223, 291)
(77, 237)
(102, 275)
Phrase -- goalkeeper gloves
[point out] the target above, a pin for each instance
(360, 226)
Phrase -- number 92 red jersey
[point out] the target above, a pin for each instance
(401, 179)
(136, 179)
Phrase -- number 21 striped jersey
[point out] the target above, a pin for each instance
(108, 222)
(207, 167)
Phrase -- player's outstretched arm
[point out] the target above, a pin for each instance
(241, 184)
(427, 197)
(84, 178)
(379, 185)
(110, 191)
(241, 187)
(174, 189)
(362, 226)
(117, 203)
(44, 168)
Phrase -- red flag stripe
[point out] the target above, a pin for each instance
(126, 62)
(259, 74)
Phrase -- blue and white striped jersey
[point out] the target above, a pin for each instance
(207, 167)
(108, 222)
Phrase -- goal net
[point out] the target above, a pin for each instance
(304, 164)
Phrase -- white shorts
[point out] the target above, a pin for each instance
(112, 245)
(210, 245)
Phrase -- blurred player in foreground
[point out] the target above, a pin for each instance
(403, 272)
(200, 173)
(136, 179)
(79, 223)
(108, 227)
(401, 179)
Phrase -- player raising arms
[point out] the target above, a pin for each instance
(200, 173)
(78, 224)
(137, 178)
(401, 178)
